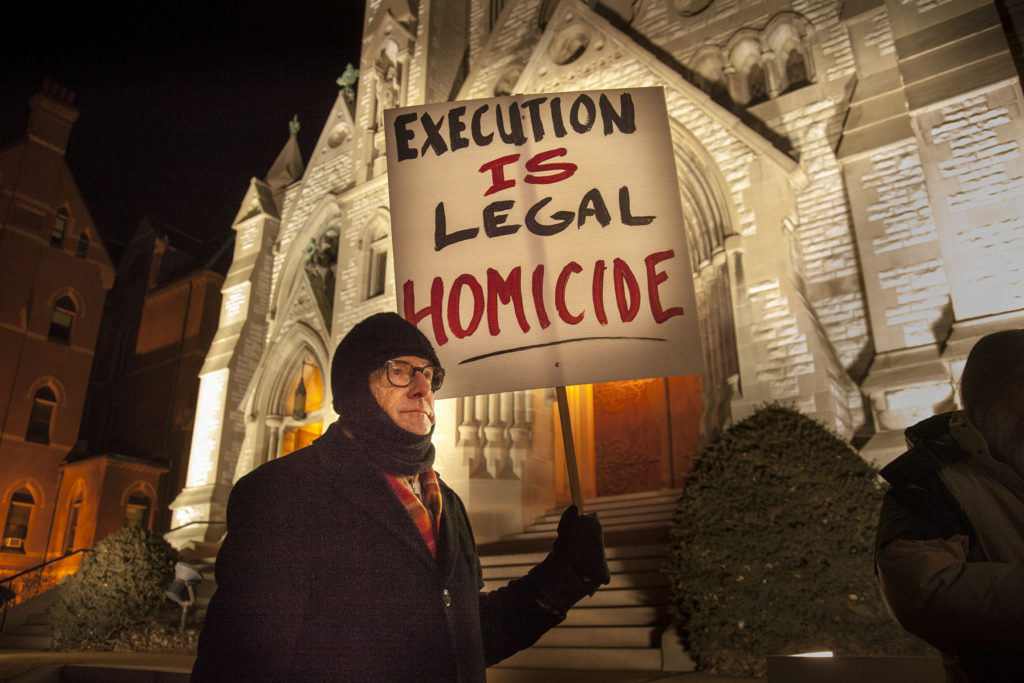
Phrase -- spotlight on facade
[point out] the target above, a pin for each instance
(181, 591)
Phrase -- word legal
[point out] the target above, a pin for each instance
(448, 314)
(495, 215)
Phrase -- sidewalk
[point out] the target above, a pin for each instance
(34, 666)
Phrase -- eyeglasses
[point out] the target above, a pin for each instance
(400, 373)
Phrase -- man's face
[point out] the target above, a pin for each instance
(411, 407)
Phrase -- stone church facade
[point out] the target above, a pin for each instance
(851, 180)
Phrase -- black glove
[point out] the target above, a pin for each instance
(576, 566)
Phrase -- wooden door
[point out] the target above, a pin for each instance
(645, 433)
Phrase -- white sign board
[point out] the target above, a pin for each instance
(539, 239)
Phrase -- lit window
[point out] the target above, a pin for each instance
(61, 319)
(83, 246)
(60, 225)
(42, 413)
(19, 513)
(136, 512)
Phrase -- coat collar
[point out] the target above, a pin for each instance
(347, 470)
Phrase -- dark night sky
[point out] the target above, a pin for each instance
(181, 102)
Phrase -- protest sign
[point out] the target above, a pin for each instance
(539, 239)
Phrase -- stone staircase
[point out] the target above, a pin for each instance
(27, 625)
(625, 625)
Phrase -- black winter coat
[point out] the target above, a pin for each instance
(323, 576)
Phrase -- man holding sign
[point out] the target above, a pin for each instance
(351, 560)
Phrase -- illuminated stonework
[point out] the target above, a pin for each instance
(854, 231)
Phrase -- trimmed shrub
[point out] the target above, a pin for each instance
(119, 587)
(772, 549)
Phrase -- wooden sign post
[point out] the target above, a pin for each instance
(570, 449)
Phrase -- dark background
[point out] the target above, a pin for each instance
(181, 102)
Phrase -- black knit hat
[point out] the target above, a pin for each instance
(365, 348)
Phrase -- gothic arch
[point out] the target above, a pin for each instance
(138, 486)
(71, 293)
(789, 34)
(708, 221)
(37, 491)
(325, 218)
(53, 383)
(266, 403)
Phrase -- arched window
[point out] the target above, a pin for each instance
(377, 270)
(69, 533)
(757, 85)
(61, 320)
(376, 243)
(19, 515)
(304, 398)
(136, 510)
(40, 416)
(60, 226)
(796, 70)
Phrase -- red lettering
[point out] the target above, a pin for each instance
(624, 278)
(433, 310)
(497, 168)
(599, 293)
(538, 297)
(653, 280)
(455, 298)
(561, 170)
(563, 280)
(506, 290)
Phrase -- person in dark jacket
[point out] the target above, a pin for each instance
(351, 560)
(950, 550)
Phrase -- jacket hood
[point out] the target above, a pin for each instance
(930, 447)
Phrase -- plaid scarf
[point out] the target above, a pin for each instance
(425, 510)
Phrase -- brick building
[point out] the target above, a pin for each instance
(850, 174)
(55, 275)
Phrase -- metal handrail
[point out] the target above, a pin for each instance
(44, 564)
(6, 604)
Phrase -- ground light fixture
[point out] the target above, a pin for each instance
(181, 589)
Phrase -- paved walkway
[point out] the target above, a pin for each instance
(32, 666)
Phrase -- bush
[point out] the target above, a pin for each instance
(772, 545)
(119, 587)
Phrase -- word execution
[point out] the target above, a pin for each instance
(417, 134)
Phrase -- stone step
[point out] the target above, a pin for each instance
(628, 498)
(626, 597)
(651, 516)
(638, 580)
(42, 630)
(10, 641)
(587, 658)
(658, 505)
(548, 531)
(616, 566)
(531, 558)
(619, 581)
(614, 616)
(600, 636)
